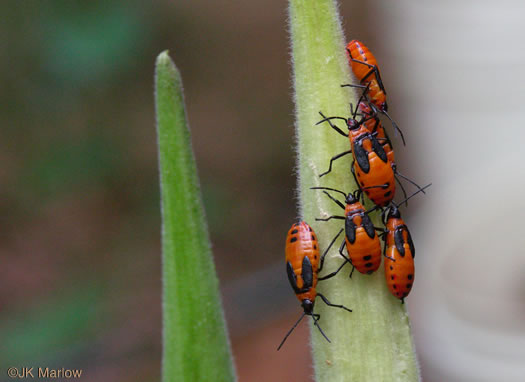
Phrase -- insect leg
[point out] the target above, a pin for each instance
(333, 159)
(334, 305)
(326, 251)
(330, 217)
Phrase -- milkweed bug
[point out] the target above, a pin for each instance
(373, 125)
(365, 68)
(361, 241)
(303, 264)
(399, 248)
(399, 252)
(364, 65)
(373, 168)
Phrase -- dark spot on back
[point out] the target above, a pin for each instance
(409, 285)
(387, 194)
(293, 239)
(394, 286)
(368, 265)
(410, 277)
(294, 232)
(315, 246)
(391, 268)
(392, 277)
(310, 229)
(367, 257)
(313, 238)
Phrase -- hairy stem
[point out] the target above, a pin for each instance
(373, 343)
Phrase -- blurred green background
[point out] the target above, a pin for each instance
(79, 195)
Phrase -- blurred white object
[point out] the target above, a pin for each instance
(468, 302)
(455, 76)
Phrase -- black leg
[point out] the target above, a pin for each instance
(333, 159)
(327, 249)
(373, 69)
(328, 119)
(328, 218)
(351, 272)
(330, 275)
(348, 260)
(353, 86)
(334, 305)
(388, 257)
(334, 200)
(404, 191)
(316, 318)
(361, 99)
(357, 182)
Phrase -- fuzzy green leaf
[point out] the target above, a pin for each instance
(373, 343)
(195, 343)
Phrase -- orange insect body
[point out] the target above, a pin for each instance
(302, 261)
(358, 51)
(364, 65)
(399, 272)
(362, 242)
(374, 126)
(373, 169)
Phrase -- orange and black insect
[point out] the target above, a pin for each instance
(364, 65)
(372, 168)
(399, 248)
(361, 240)
(399, 252)
(303, 264)
(374, 125)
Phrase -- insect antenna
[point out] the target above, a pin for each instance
(415, 193)
(291, 330)
(407, 179)
(328, 188)
(395, 127)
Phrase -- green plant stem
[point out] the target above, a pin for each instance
(195, 343)
(373, 343)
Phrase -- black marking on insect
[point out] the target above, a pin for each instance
(378, 149)
(361, 156)
(368, 225)
(350, 230)
(307, 273)
(292, 278)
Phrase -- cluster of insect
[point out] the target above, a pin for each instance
(374, 170)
